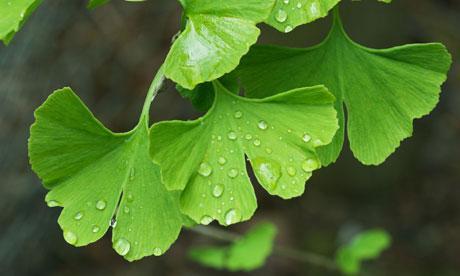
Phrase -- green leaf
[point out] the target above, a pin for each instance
(288, 14)
(97, 175)
(383, 90)
(206, 157)
(13, 14)
(367, 245)
(96, 3)
(217, 35)
(247, 253)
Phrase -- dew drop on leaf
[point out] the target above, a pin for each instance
(248, 136)
(299, 5)
(78, 216)
(262, 125)
(113, 223)
(288, 29)
(232, 135)
(232, 216)
(218, 190)
(157, 251)
(310, 165)
(70, 237)
(268, 172)
(306, 138)
(205, 220)
(238, 114)
(205, 169)
(222, 160)
(95, 229)
(317, 142)
(286, 2)
(232, 173)
(130, 197)
(122, 246)
(281, 16)
(256, 142)
(268, 150)
(291, 171)
(126, 209)
(132, 174)
(100, 204)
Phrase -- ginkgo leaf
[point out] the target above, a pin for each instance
(217, 35)
(383, 90)
(206, 158)
(247, 253)
(364, 246)
(288, 14)
(96, 3)
(13, 14)
(98, 176)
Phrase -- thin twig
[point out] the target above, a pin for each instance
(287, 252)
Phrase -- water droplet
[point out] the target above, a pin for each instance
(289, 130)
(205, 169)
(130, 197)
(299, 5)
(122, 246)
(291, 171)
(53, 203)
(232, 173)
(78, 216)
(126, 209)
(95, 229)
(238, 114)
(288, 29)
(317, 142)
(232, 198)
(219, 138)
(267, 171)
(205, 220)
(232, 216)
(232, 135)
(256, 142)
(262, 125)
(222, 160)
(283, 187)
(281, 16)
(157, 251)
(268, 150)
(286, 2)
(132, 174)
(306, 138)
(70, 237)
(310, 165)
(218, 190)
(314, 9)
(248, 136)
(101, 204)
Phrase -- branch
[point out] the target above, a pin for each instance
(290, 253)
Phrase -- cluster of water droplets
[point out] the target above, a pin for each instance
(282, 15)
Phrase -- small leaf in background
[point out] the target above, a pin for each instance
(286, 15)
(206, 158)
(367, 245)
(216, 36)
(102, 178)
(247, 253)
(13, 14)
(383, 90)
(96, 3)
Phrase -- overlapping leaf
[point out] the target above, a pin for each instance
(288, 14)
(206, 157)
(217, 35)
(383, 90)
(247, 253)
(98, 176)
(13, 14)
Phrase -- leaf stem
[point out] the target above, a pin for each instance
(287, 252)
(154, 88)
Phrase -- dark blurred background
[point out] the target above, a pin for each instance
(109, 55)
